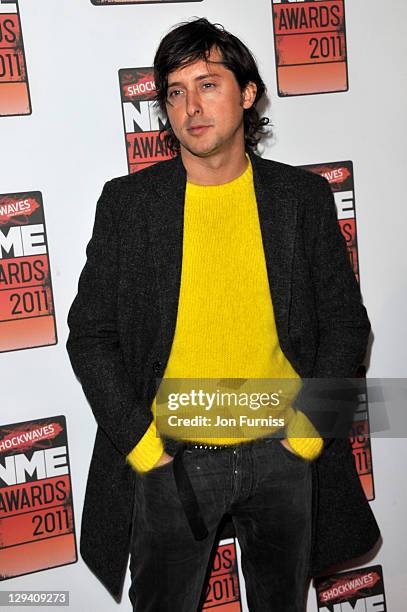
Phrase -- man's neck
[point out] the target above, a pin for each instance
(216, 169)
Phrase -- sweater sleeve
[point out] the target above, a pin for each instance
(147, 452)
(303, 437)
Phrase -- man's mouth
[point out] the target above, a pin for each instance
(197, 129)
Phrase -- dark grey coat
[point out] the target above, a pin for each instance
(122, 324)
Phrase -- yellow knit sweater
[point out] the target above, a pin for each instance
(225, 322)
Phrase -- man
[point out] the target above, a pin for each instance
(215, 264)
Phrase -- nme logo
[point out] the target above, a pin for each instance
(37, 528)
(143, 124)
(27, 317)
(43, 464)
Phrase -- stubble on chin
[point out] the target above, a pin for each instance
(201, 151)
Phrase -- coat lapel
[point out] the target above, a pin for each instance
(165, 217)
(277, 210)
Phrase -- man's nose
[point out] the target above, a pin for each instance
(193, 104)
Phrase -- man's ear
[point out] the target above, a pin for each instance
(249, 94)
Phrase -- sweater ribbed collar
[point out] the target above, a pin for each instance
(238, 184)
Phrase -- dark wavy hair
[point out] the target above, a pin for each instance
(193, 40)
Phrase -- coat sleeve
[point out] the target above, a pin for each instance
(93, 343)
(329, 398)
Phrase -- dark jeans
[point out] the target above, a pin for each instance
(267, 490)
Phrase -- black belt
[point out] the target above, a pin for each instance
(187, 495)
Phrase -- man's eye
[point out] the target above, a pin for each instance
(174, 93)
(208, 85)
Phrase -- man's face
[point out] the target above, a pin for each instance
(205, 106)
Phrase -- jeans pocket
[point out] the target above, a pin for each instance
(289, 454)
(158, 469)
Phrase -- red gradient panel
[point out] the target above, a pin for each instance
(14, 99)
(14, 91)
(310, 47)
(312, 78)
(37, 529)
(27, 334)
(43, 554)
